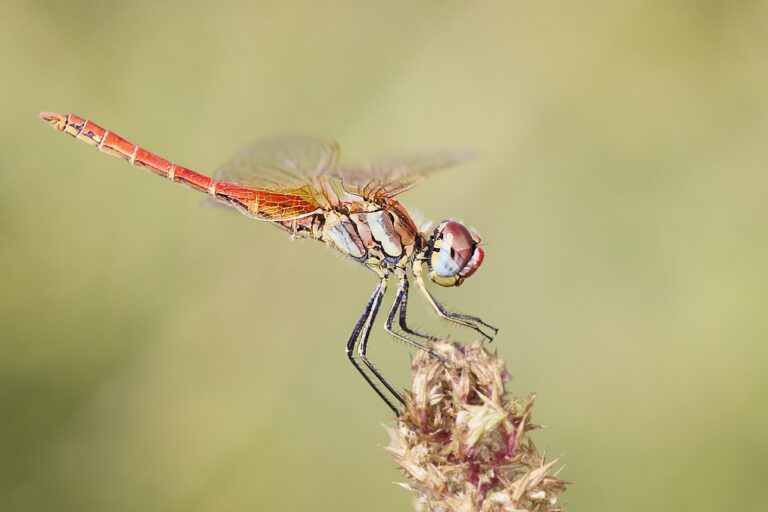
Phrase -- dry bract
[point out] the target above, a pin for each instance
(463, 442)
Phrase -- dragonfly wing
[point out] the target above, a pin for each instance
(276, 208)
(307, 167)
(390, 177)
(282, 163)
(270, 205)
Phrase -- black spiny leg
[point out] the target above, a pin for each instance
(403, 309)
(362, 347)
(472, 322)
(400, 301)
(364, 326)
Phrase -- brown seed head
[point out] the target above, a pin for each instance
(463, 442)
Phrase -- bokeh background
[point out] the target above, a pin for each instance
(157, 355)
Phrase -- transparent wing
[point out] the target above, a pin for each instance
(290, 162)
(387, 178)
(308, 167)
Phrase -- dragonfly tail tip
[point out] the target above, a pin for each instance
(56, 120)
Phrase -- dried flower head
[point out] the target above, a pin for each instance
(463, 441)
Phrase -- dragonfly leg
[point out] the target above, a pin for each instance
(361, 332)
(400, 301)
(472, 322)
(362, 347)
(402, 321)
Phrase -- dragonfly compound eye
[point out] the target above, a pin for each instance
(455, 254)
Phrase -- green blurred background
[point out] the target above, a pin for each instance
(157, 355)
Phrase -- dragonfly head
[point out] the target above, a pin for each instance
(453, 253)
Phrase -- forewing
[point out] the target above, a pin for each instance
(308, 167)
(390, 177)
(291, 162)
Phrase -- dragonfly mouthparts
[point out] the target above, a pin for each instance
(58, 121)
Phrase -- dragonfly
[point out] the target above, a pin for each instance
(298, 184)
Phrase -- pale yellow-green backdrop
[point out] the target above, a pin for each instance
(161, 356)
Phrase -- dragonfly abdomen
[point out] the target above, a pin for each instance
(261, 204)
(111, 143)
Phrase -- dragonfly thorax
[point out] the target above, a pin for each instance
(377, 235)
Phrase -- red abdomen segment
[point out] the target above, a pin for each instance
(262, 204)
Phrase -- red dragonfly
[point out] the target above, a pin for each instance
(297, 184)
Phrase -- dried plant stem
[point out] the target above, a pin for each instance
(463, 441)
